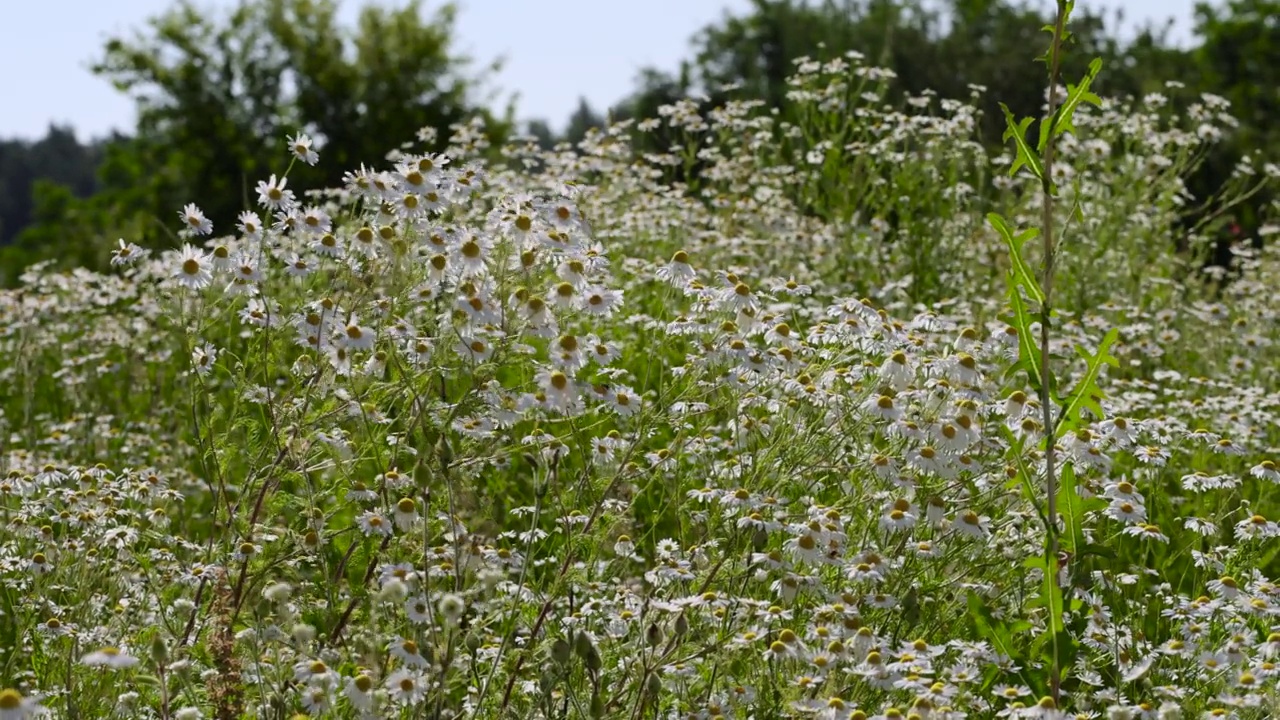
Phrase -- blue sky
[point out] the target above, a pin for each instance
(556, 50)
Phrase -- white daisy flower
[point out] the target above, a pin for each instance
(194, 269)
(300, 146)
(109, 657)
(194, 220)
(406, 686)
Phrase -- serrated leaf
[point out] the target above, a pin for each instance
(1022, 271)
(1086, 394)
(1024, 477)
(994, 630)
(1061, 121)
(1071, 509)
(1026, 155)
(1101, 551)
(1027, 350)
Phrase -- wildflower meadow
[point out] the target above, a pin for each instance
(840, 416)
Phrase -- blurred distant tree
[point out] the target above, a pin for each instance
(217, 95)
(58, 157)
(56, 171)
(76, 230)
(582, 120)
(656, 88)
(944, 49)
(542, 133)
(948, 45)
(1238, 58)
(940, 47)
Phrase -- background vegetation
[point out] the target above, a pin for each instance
(818, 396)
(216, 92)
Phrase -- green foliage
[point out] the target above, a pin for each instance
(530, 468)
(216, 94)
(28, 173)
(396, 469)
(1076, 94)
(928, 48)
(1026, 156)
(1239, 59)
(1086, 395)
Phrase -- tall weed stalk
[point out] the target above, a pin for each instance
(1031, 298)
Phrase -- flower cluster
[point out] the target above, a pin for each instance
(513, 432)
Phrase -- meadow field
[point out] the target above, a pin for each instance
(843, 417)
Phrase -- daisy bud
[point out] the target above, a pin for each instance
(582, 644)
(654, 684)
(394, 591)
(159, 650)
(682, 625)
(473, 641)
(303, 634)
(561, 651)
(653, 635)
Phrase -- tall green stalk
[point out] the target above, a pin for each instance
(1046, 315)
(1030, 298)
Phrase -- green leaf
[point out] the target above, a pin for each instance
(1071, 509)
(1076, 94)
(1026, 155)
(1068, 649)
(1051, 593)
(1086, 394)
(1021, 271)
(1021, 276)
(1027, 350)
(990, 628)
(1025, 479)
(1052, 28)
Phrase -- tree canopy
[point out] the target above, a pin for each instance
(217, 95)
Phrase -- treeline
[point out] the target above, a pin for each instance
(218, 93)
(31, 171)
